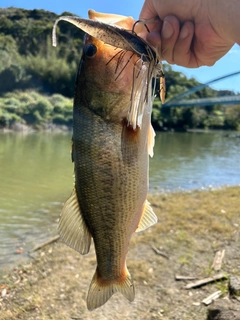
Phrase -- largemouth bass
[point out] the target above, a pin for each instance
(112, 140)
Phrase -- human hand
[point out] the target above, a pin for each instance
(189, 33)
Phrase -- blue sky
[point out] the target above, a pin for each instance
(228, 64)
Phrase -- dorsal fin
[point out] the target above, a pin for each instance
(125, 22)
(113, 19)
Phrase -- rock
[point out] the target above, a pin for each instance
(232, 135)
(16, 126)
(234, 286)
(224, 309)
(55, 127)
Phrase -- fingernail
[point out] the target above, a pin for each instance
(167, 30)
(184, 32)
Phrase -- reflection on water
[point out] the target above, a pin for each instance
(36, 178)
(194, 160)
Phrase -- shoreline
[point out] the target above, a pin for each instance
(192, 227)
(23, 256)
(50, 127)
(22, 128)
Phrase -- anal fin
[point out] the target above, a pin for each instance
(72, 227)
(148, 217)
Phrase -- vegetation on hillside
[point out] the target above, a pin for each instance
(34, 109)
(28, 63)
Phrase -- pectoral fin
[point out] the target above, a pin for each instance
(72, 227)
(148, 218)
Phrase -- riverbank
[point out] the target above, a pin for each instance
(18, 127)
(31, 110)
(192, 227)
(22, 128)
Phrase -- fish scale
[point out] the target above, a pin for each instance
(111, 192)
(111, 163)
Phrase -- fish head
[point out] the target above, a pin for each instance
(108, 70)
(109, 67)
(117, 66)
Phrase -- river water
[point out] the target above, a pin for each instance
(36, 177)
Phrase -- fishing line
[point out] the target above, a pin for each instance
(122, 54)
(114, 55)
(120, 59)
(124, 66)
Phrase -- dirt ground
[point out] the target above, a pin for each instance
(192, 227)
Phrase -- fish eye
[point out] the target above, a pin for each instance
(90, 50)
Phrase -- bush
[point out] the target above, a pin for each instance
(35, 109)
(6, 118)
(232, 118)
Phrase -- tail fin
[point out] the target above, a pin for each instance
(100, 291)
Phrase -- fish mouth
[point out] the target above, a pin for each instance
(142, 93)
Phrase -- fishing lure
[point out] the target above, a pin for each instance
(120, 38)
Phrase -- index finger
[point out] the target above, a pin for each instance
(150, 17)
(148, 11)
